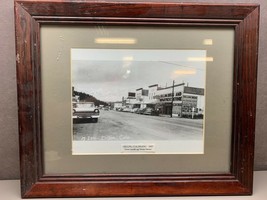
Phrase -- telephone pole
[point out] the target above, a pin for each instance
(172, 97)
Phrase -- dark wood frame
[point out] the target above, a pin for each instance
(31, 14)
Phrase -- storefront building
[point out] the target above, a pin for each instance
(181, 101)
(178, 100)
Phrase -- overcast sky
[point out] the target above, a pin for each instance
(110, 74)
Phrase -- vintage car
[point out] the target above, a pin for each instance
(84, 112)
(150, 111)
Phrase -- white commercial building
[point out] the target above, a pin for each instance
(177, 100)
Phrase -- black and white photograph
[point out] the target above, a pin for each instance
(138, 101)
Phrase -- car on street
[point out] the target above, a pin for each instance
(126, 109)
(85, 112)
(106, 108)
(134, 110)
(150, 111)
(141, 111)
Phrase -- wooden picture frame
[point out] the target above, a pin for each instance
(30, 15)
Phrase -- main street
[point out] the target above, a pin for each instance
(118, 126)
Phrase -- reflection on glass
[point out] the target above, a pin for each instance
(115, 40)
(208, 42)
(127, 58)
(200, 59)
(185, 72)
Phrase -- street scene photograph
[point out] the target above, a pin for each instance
(138, 101)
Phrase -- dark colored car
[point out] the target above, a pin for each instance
(148, 111)
(151, 111)
(141, 111)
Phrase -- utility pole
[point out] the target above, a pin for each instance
(172, 97)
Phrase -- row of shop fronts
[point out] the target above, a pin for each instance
(178, 100)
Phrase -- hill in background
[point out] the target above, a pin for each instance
(89, 98)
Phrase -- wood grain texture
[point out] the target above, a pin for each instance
(139, 9)
(30, 15)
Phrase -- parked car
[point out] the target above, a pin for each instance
(106, 108)
(149, 111)
(141, 111)
(134, 110)
(118, 109)
(84, 112)
(126, 109)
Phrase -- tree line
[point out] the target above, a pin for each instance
(89, 98)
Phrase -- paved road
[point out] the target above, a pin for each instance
(114, 126)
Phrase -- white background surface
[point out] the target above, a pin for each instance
(10, 190)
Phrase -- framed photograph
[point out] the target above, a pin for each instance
(138, 101)
(139, 98)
